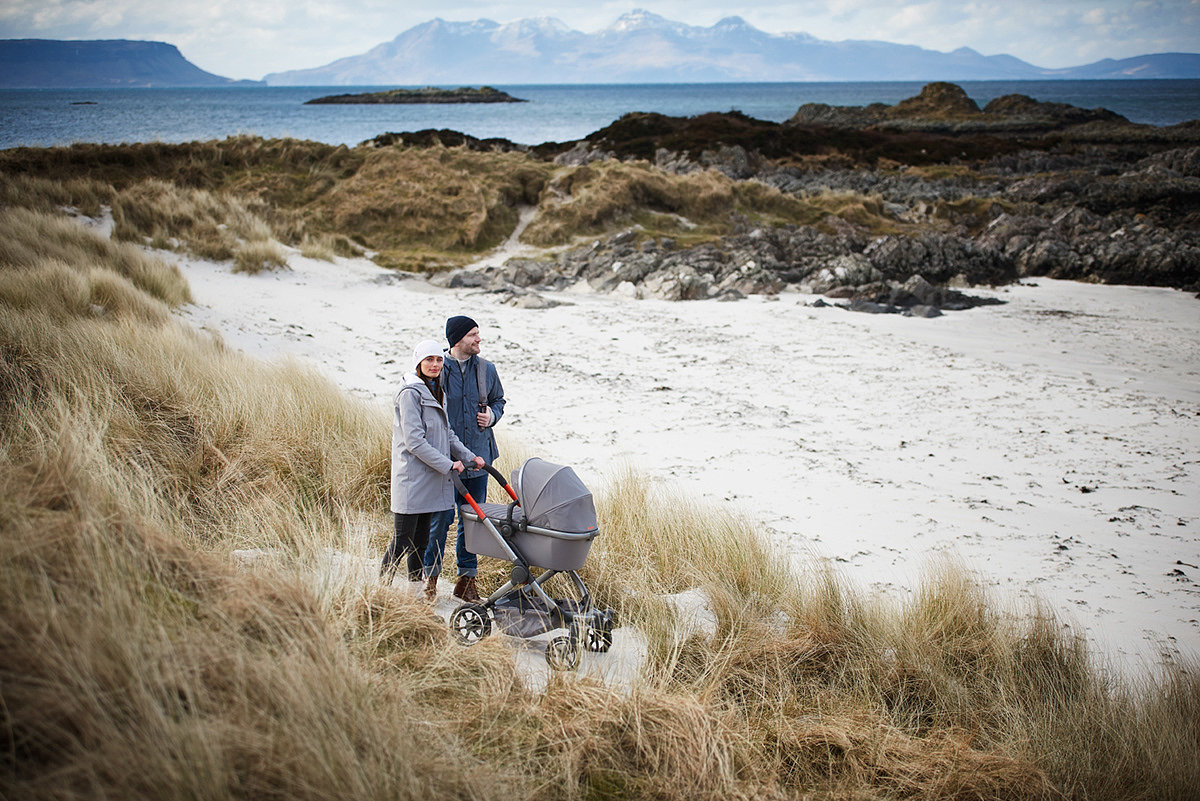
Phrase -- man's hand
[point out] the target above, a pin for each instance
(484, 418)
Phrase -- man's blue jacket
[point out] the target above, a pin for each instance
(461, 385)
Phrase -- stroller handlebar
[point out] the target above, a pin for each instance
(496, 474)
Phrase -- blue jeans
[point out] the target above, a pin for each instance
(439, 525)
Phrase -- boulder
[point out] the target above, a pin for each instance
(871, 307)
(532, 300)
(582, 153)
(734, 161)
(684, 284)
(850, 269)
(916, 291)
(628, 289)
(467, 279)
(525, 272)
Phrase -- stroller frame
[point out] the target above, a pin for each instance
(587, 625)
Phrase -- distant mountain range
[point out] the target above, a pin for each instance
(641, 47)
(58, 64)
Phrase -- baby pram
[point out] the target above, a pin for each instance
(550, 524)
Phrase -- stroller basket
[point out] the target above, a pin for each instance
(524, 615)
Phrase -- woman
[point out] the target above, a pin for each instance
(425, 453)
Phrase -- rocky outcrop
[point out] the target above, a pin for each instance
(938, 100)
(1078, 244)
(430, 94)
(946, 107)
(444, 137)
(1024, 110)
(965, 195)
(889, 270)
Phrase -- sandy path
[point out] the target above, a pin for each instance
(1051, 443)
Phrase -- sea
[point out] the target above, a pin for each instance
(553, 113)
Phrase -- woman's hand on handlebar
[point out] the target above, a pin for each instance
(479, 462)
(457, 467)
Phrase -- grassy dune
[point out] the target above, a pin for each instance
(420, 205)
(138, 661)
(599, 198)
(421, 208)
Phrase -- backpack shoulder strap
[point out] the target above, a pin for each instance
(481, 380)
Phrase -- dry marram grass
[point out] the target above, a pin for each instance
(417, 208)
(138, 661)
(430, 201)
(206, 224)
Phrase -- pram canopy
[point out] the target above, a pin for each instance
(553, 497)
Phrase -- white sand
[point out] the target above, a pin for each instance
(1051, 443)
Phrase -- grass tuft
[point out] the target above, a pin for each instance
(211, 226)
(256, 256)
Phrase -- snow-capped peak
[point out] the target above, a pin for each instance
(639, 18)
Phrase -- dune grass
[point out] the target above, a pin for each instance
(415, 208)
(85, 195)
(416, 205)
(210, 225)
(258, 255)
(138, 660)
(283, 172)
(317, 248)
(949, 694)
(51, 245)
(605, 196)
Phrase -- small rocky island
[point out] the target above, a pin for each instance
(429, 94)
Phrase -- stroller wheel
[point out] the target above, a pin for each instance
(470, 623)
(562, 654)
(598, 640)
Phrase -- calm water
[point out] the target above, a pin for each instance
(36, 117)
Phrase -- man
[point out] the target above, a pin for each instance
(472, 416)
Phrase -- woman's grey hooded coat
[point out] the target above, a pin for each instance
(422, 447)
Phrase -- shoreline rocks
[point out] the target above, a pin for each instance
(887, 274)
(1059, 191)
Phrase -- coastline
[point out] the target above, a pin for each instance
(558, 113)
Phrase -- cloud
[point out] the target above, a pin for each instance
(248, 38)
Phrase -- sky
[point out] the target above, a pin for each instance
(249, 38)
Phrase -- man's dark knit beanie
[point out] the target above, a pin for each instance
(457, 328)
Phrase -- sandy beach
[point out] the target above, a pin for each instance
(1051, 443)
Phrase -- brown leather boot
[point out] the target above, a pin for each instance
(465, 589)
(431, 589)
